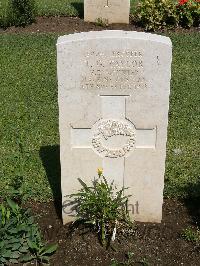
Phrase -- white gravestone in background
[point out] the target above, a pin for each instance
(107, 11)
(113, 113)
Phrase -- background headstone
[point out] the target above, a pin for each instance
(107, 11)
(113, 113)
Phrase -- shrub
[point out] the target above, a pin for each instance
(5, 14)
(101, 206)
(189, 12)
(156, 14)
(23, 11)
(159, 14)
(17, 13)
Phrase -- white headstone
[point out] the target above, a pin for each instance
(107, 11)
(113, 113)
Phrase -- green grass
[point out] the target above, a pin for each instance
(55, 7)
(60, 7)
(29, 136)
(28, 109)
(183, 167)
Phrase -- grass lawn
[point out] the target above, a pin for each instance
(183, 166)
(29, 136)
(55, 7)
(60, 7)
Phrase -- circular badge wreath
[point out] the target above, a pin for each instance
(107, 128)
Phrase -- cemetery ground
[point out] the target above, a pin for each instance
(30, 150)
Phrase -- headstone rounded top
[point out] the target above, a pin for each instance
(114, 34)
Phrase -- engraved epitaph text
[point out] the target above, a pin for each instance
(115, 70)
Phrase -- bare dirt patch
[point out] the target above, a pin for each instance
(157, 244)
(68, 25)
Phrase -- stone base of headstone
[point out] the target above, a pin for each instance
(107, 11)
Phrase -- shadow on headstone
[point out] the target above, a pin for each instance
(50, 156)
(192, 202)
(79, 8)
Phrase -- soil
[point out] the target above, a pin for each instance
(157, 244)
(71, 25)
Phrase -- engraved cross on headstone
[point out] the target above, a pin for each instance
(113, 137)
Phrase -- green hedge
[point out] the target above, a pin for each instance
(17, 12)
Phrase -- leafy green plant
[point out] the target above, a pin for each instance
(39, 251)
(16, 191)
(24, 12)
(189, 12)
(156, 14)
(102, 206)
(101, 22)
(17, 231)
(190, 234)
(144, 262)
(14, 229)
(159, 14)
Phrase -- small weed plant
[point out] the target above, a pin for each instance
(102, 206)
(20, 238)
(130, 261)
(191, 235)
(15, 190)
(103, 22)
